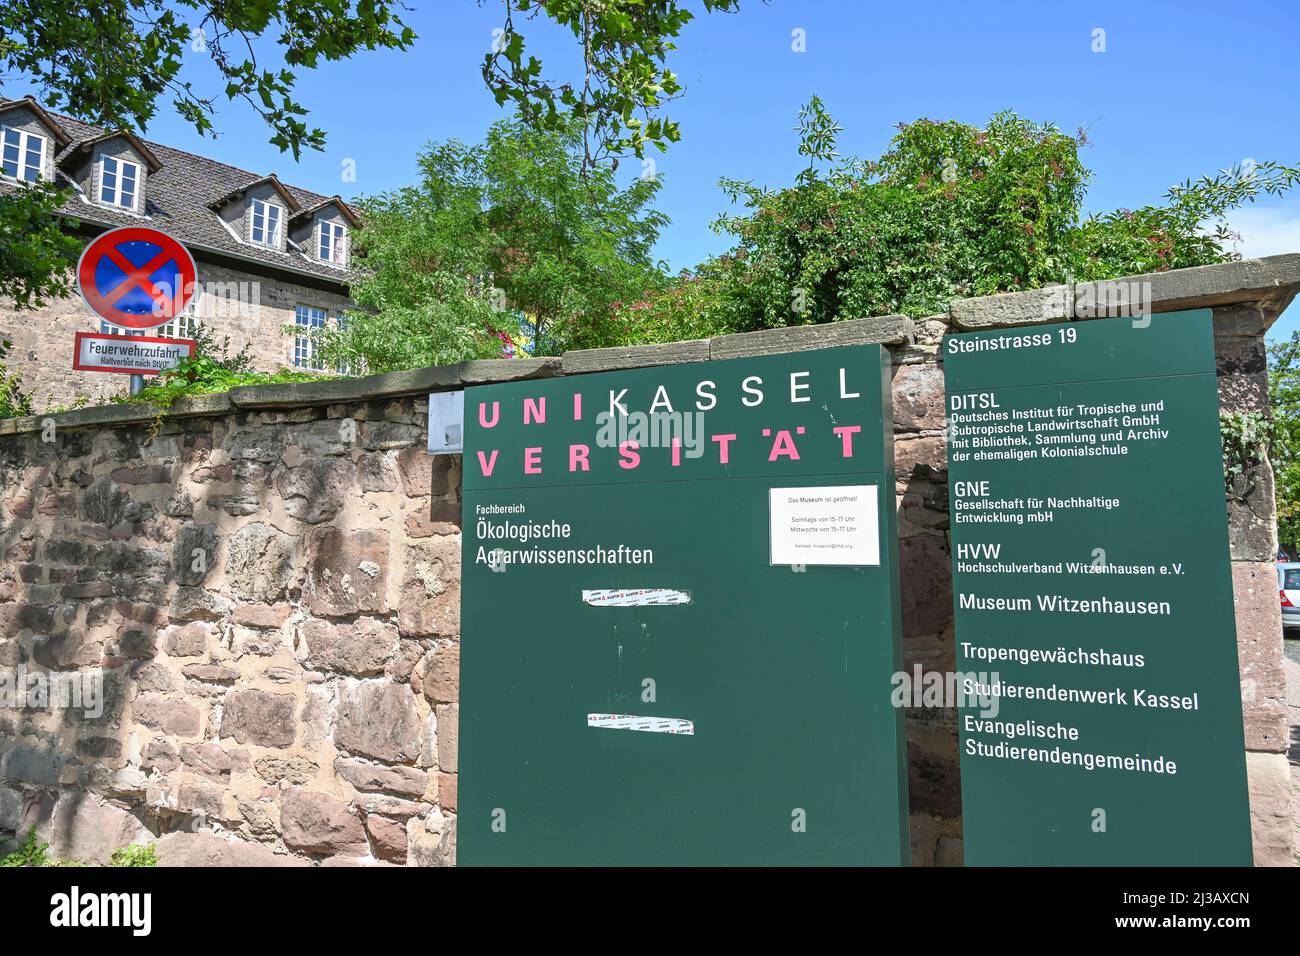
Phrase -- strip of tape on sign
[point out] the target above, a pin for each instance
(649, 725)
(635, 597)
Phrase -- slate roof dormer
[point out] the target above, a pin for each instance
(27, 102)
(256, 213)
(112, 169)
(272, 180)
(343, 208)
(323, 232)
(86, 147)
(29, 138)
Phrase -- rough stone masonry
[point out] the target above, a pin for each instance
(265, 585)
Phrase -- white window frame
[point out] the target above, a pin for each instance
(266, 207)
(311, 318)
(338, 242)
(24, 139)
(184, 326)
(116, 200)
(106, 328)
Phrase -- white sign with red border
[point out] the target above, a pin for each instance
(134, 354)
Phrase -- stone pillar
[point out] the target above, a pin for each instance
(1252, 532)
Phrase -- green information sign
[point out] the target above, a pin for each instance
(680, 617)
(1096, 642)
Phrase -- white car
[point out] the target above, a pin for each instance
(1288, 583)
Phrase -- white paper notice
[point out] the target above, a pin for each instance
(831, 524)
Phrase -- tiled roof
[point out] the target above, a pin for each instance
(177, 198)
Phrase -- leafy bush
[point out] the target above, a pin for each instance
(213, 368)
(134, 855)
(948, 211)
(1284, 450)
(30, 853)
(13, 401)
(37, 249)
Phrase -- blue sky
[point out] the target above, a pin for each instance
(1182, 89)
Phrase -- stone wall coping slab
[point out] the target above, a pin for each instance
(1272, 281)
(894, 330)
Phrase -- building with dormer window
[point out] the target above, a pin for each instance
(269, 255)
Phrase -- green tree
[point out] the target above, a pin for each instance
(624, 80)
(36, 253)
(111, 68)
(1284, 397)
(948, 211)
(504, 238)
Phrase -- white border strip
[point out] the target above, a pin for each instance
(652, 725)
(635, 597)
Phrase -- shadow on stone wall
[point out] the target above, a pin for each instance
(925, 583)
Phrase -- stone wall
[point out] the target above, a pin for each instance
(269, 589)
(43, 338)
(270, 600)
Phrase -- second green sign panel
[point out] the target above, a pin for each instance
(1093, 596)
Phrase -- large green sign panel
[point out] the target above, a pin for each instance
(1094, 611)
(680, 617)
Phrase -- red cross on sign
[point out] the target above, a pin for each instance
(136, 277)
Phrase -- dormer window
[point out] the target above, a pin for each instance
(264, 223)
(333, 243)
(118, 182)
(22, 154)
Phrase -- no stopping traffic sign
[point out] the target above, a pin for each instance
(136, 277)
